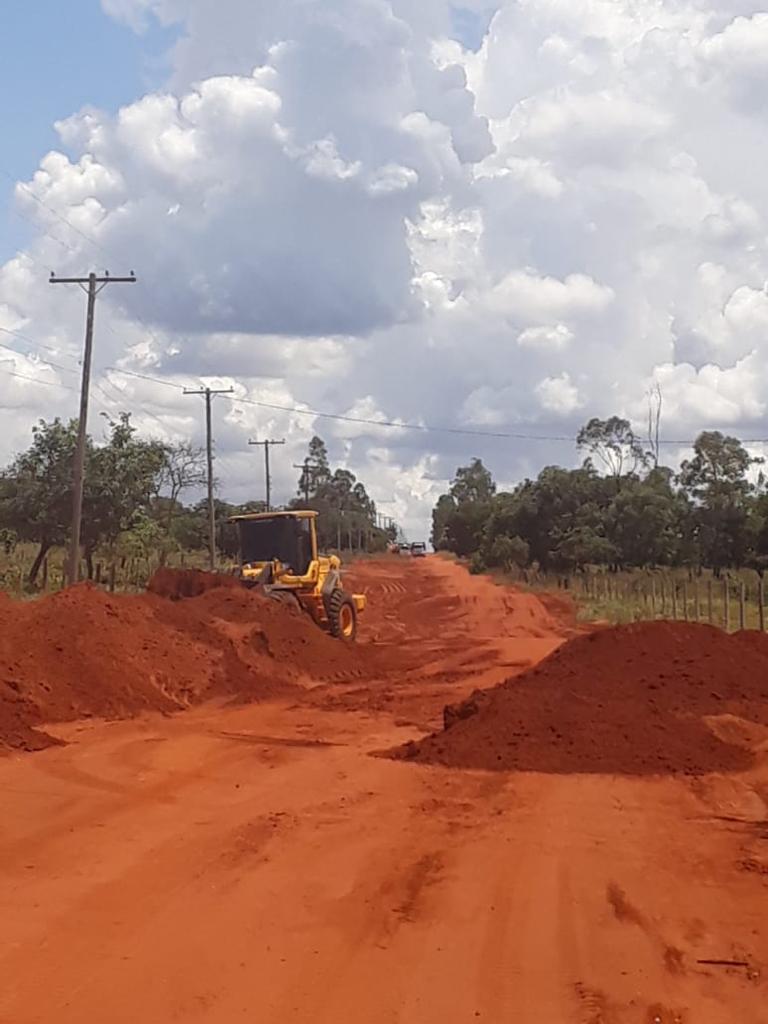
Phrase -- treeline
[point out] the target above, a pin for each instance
(348, 516)
(632, 512)
(133, 503)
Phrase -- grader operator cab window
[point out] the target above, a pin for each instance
(286, 540)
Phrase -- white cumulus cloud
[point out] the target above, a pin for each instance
(349, 206)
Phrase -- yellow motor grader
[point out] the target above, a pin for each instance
(279, 555)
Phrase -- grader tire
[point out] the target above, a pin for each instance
(342, 615)
(284, 597)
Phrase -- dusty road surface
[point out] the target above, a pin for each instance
(256, 863)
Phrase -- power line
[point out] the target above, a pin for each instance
(35, 224)
(36, 380)
(91, 241)
(399, 425)
(45, 362)
(29, 341)
(145, 376)
(317, 414)
(118, 401)
(50, 209)
(361, 421)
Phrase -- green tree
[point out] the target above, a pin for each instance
(615, 445)
(121, 478)
(647, 521)
(507, 552)
(584, 545)
(472, 483)
(546, 511)
(760, 527)
(146, 537)
(347, 512)
(316, 471)
(442, 514)
(36, 496)
(716, 481)
(458, 521)
(8, 540)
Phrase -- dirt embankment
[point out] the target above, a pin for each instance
(650, 698)
(82, 653)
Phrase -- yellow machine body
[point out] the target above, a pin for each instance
(279, 554)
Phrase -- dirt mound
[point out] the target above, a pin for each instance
(176, 584)
(82, 652)
(651, 698)
(258, 628)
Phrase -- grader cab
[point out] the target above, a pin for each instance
(279, 555)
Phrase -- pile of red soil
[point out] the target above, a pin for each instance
(177, 584)
(651, 698)
(83, 653)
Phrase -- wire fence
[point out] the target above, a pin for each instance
(735, 600)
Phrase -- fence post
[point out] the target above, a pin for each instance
(663, 599)
(674, 599)
(653, 597)
(710, 602)
(697, 600)
(685, 600)
(761, 602)
(742, 605)
(726, 605)
(112, 578)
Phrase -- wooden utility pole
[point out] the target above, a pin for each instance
(267, 445)
(95, 284)
(305, 466)
(208, 394)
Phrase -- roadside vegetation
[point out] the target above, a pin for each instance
(626, 536)
(137, 512)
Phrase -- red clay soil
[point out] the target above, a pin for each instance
(177, 584)
(644, 699)
(82, 653)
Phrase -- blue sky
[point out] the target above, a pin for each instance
(56, 58)
(470, 26)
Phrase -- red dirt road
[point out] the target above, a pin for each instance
(254, 863)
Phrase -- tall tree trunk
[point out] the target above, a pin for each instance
(45, 547)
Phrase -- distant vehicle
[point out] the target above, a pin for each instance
(418, 550)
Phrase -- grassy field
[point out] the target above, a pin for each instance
(732, 602)
(126, 571)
